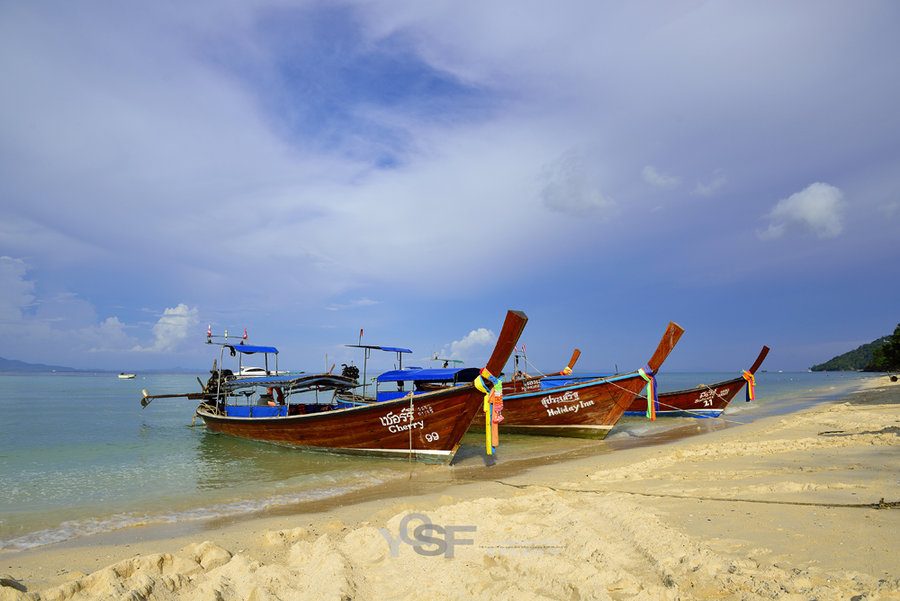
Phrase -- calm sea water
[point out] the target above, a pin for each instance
(79, 456)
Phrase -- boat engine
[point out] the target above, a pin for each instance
(350, 371)
(217, 379)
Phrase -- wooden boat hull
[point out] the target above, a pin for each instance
(702, 401)
(584, 410)
(580, 409)
(427, 427)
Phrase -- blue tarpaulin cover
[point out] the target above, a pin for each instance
(250, 411)
(390, 349)
(419, 374)
(252, 348)
(394, 349)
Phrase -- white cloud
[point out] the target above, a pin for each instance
(214, 148)
(570, 188)
(18, 292)
(817, 209)
(108, 336)
(361, 302)
(461, 349)
(173, 327)
(710, 187)
(653, 177)
(56, 328)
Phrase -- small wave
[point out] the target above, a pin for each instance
(74, 529)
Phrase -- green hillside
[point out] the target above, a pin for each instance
(879, 355)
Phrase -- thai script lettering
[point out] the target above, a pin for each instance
(405, 419)
(405, 415)
(568, 397)
(706, 397)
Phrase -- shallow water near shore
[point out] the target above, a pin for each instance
(80, 456)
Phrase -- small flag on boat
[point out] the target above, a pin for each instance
(209, 331)
(751, 385)
(245, 333)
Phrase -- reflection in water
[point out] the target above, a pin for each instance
(225, 461)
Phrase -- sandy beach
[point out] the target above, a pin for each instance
(801, 506)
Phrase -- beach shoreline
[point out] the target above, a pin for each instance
(799, 504)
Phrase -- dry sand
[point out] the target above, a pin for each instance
(803, 506)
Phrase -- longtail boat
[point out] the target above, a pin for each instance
(703, 401)
(427, 427)
(582, 409)
(522, 382)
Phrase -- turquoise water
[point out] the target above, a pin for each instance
(78, 454)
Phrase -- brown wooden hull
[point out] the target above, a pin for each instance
(429, 427)
(583, 409)
(702, 401)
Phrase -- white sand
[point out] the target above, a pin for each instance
(784, 508)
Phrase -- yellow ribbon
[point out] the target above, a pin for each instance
(751, 385)
(492, 395)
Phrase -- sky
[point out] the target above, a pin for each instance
(307, 170)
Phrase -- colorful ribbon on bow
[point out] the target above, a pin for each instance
(751, 385)
(493, 405)
(652, 400)
(567, 371)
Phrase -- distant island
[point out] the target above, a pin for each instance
(879, 355)
(14, 365)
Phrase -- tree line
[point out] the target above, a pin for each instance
(880, 355)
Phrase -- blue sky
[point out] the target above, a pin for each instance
(307, 169)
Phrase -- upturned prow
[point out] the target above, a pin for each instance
(759, 360)
(575, 355)
(669, 340)
(506, 342)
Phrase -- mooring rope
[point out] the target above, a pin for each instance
(881, 504)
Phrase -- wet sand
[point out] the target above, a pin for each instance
(799, 506)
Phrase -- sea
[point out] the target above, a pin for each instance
(79, 456)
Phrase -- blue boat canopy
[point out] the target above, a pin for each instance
(390, 349)
(394, 349)
(249, 349)
(419, 374)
